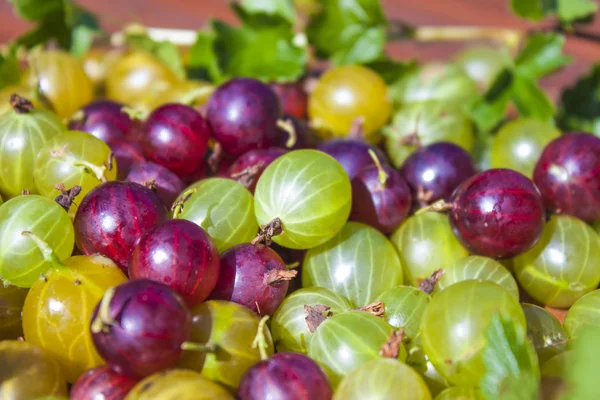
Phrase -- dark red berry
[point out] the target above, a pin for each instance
(249, 167)
(128, 154)
(434, 171)
(498, 213)
(243, 115)
(176, 137)
(179, 254)
(105, 120)
(289, 376)
(102, 383)
(139, 327)
(352, 154)
(163, 181)
(568, 176)
(113, 216)
(253, 276)
(380, 198)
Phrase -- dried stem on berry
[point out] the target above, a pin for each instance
(151, 184)
(66, 198)
(427, 285)
(247, 175)
(315, 315)
(273, 228)
(20, 104)
(391, 348)
(277, 276)
(376, 308)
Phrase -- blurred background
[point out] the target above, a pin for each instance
(193, 14)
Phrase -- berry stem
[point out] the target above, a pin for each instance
(193, 95)
(45, 248)
(438, 206)
(203, 348)
(103, 320)
(382, 175)
(177, 206)
(260, 340)
(134, 113)
(287, 126)
(98, 171)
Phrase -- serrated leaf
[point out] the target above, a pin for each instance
(530, 100)
(573, 10)
(542, 55)
(512, 371)
(266, 53)
(490, 109)
(283, 9)
(203, 63)
(392, 71)
(165, 51)
(35, 10)
(348, 31)
(579, 107)
(533, 9)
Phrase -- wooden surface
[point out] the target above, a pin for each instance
(193, 14)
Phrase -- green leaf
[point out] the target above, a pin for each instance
(9, 69)
(84, 27)
(275, 8)
(579, 107)
(530, 100)
(542, 55)
(203, 63)
(165, 51)
(267, 53)
(35, 10)
(512, 371)
(533, 9)
(490, 109)
(392, 71)
(582, 374)
(573, 10)
(349, 31)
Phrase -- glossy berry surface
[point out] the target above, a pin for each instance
(381, 202)
(103, 119)
(568, 175)
(178, 384)
(179, 254)
(113, 216)
(168, 184)
(498, 213)
(252, 275)
(434, 171)
(250, 166)
(293, 98)
(128, 153)
(345, 93)
(176, 136)
(378, 379)
(140, 326)
(353, 155)
(243, 115)
(102, 383)
(285, 375)
(12, 299)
